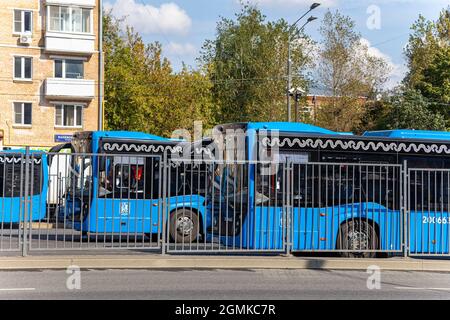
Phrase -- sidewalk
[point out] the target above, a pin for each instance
(216, 262)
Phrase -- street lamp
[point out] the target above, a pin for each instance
(291, 29)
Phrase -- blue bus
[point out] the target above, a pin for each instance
(12, 185)
(336, 191)
(116, 185)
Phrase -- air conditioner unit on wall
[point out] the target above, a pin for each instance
(25, 38)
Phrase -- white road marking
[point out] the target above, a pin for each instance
(414, 288)
(17, 289)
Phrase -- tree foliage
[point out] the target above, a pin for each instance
(243, 77)
(409, 110)
(428, 59)
(142, 93)
(346, 72)
(247, 65)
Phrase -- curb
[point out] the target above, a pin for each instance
(202, 262)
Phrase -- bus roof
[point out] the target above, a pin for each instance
(409, 134)
(128, 135)
(289, 127)
(22, 150)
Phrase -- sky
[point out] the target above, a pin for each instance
(182, 26)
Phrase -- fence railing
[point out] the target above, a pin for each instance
(61, 201)
(428, 208)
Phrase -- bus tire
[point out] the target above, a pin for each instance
(357, 235)
(184, 226)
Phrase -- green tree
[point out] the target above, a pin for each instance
(424, 42)
(408, 109)
(247, 64)
(428, 59)
(435, 80)
(142, 93)
(346, 71)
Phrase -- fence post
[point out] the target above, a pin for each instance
(405, 209)
(287, 207)
(25, 202)
(164, 204)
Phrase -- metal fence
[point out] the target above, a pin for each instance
(81, 201)
(428, 211)
(351, 207)
(218, 206)
(12, 178)
(67, 201)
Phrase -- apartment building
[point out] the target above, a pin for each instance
(49, 80)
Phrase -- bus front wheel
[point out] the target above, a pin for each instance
(184, 226)
(358, 238)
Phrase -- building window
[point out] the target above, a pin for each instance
(23, 68)
(23, 21)
(22, 113)
(68, 68)
(69, 19)
(68, 115)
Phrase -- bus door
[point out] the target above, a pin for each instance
(264, 218)
(304, 199)
(267, 213)
(59, 164)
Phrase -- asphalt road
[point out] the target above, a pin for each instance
(222, 284)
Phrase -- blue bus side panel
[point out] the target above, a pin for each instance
(38, 206)
(261, 230)
(314, 228)
(10, 207)
(122, 216)
(12, 212)
(429, 232)
(318, 229)
(135, 216)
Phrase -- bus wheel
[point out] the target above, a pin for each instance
(184, 226)
(358, 237)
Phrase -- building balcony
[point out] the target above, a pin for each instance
(79, 89)
(84, 3)
(63, 42)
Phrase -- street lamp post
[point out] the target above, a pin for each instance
(291, 29)
(297, 93)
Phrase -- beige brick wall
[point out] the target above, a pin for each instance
(42, 131)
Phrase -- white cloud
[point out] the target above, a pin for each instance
(168, 18)
(292, 3)
(182, 49)
(397, 72)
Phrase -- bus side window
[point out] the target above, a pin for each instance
(152, 178)
(12, 176)
(2, 179)
(123, 176)
(429, 189)
(129, 177)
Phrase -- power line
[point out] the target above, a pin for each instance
(389, 40)
(66, 82)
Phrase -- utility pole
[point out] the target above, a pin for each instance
(297, 94)
(100, 65)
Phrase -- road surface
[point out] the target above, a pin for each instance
(221, 284)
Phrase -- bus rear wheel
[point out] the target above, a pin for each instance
(184, 226)
(357, 237)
